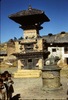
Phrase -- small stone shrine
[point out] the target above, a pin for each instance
(51, 74)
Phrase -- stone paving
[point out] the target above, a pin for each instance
(31, 88)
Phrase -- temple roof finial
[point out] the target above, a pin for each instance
(30, 7)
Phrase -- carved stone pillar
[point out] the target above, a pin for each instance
(40, 63)
(19, 65)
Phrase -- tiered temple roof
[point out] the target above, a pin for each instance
(32, 17)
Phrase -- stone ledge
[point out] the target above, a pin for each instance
(27, 74)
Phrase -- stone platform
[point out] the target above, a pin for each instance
(27, 74)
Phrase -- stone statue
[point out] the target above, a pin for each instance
(52, 60)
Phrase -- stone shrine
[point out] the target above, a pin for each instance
(30, 51)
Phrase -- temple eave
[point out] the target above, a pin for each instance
(30, 19)
(31, 27)
(31, 53)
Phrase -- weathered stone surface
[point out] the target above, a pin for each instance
(51, 83)
(51, 79)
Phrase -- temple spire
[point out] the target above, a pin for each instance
(30, 7)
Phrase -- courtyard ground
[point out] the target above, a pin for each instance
(31, 88)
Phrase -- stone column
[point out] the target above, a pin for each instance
(19, 65)
(40, 63)
(51, 77)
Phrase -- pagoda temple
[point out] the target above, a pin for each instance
(30, 51)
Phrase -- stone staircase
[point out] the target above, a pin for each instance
(27, 74)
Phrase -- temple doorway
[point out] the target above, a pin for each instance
(30, 64)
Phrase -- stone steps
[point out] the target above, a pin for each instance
(27, 74)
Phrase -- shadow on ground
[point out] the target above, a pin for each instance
(16, 97)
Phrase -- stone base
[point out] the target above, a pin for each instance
(27, 74)
(52, 89)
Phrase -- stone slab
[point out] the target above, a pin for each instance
(27, 73)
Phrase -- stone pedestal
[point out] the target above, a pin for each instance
(51, 77)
